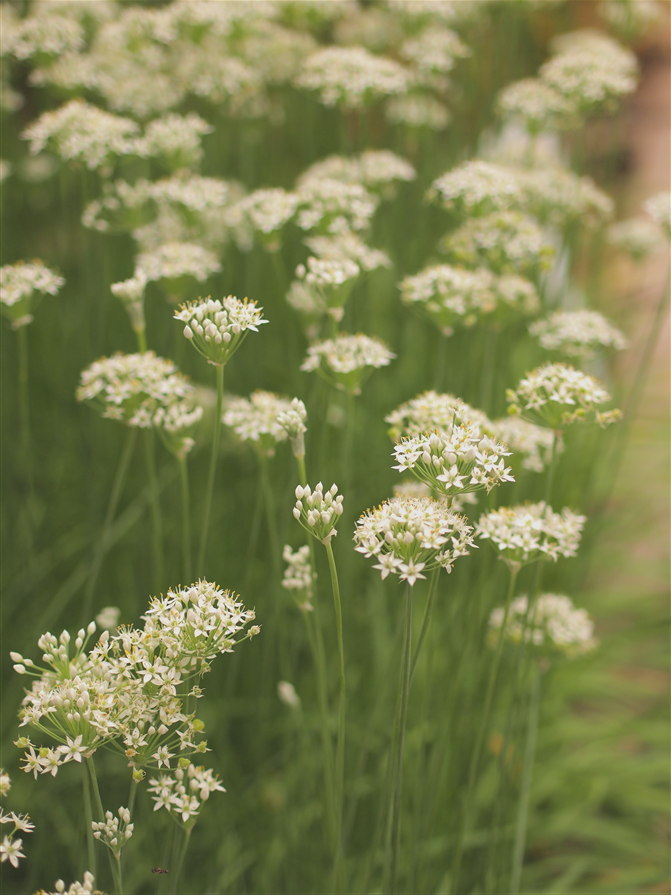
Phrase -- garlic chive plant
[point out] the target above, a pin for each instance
(318, 511)
(216, 329)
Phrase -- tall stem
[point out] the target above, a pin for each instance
(468, 799)
(523, 806)
(552, 468)
(88, 820)
(156, 518)
(26, 458)
(186, 519)
(400, 742)
(216, 436)
(339, 778)
(101, 546)
(425, 621)
(177, 873)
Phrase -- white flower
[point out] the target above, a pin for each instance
(22, 285)
(531, 532)
(348, 246)
(577, 334)
(351, 76)
(175, 261)
(659, 209)
(81, 132)
(454, 460)
(637, 236)
(286, 693)
(530, 444)
(346, 359)
(538, 105)
(558, 395)
(217, 328)
(418, 110)
(10, 850)
(478, 187)
(298, 574)
(553, 627)
(257, 419)
(174, 139)
(114, 832)
(318, 511)
(409, 536)
(331, 206)
(431, 411)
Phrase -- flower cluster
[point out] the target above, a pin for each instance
(267, 211)
(577, 334)
(140, 390)
(432, 411)
(535, 103)
(331, 206)
(261, 419)
(434, 51)
(504, 241)
(454, 296)
(298, 575)
(216, 328)
(409, 536)
(637, 236)
(552, 626)
(86, 887)
(318, 511)
(183, 791)
(532, 531)
(176, 264)
(558, 395)
(351, 76)
(350, 247)
(345, 359)
(175, 140)
(375, 169)
(477, 187)
(127, 692)
(530, 444)
(83, 133)
(591, 71)
(455, 460)
(114, 832)
(292, 419)
(21, 286)
(417, 110)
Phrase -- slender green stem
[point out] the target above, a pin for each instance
(101, 546)
(468, 800)
(425, 621)
(117, 874)
(394, 826)
(88, 820)
(317, 649)
(216, 436)
(24, 404)
(141, 338)
(271, 519)
(552, 468)
(302, 474)
(339, 784)
(527, 773)
(95, 789)
(176, 874)
(156, 518)
(186, 518)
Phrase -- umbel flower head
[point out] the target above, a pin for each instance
(114, 832)
(504, 241)
(432, 411)
(21, 287)
(477, 187)
(536, 104)
(176, 265)
(453, 296)
(454, 460)
(140, 390)
(351, 76)
(318, 511)
(558, 395)
(531, 532)
(530, 444)
(659, 209)
(409, 536)
(577, 334)
(345, 360)
(85, 887)
(638, 236)
(298, 575)
(216, 328)
(259, 419)
(553, 627)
